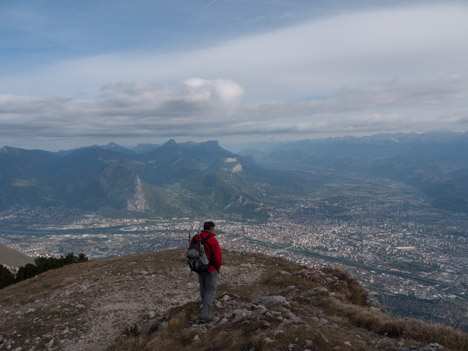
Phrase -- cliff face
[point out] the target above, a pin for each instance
(151, 302)
(123, 187)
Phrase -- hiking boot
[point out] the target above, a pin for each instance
(205, 319)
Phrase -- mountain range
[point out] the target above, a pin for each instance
(190, 179)
(170, 179)
(436, 163)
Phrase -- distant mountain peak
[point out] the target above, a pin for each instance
(90, 147)
(169, 143)
(209, 144)
(116, 147)
(212, 143)
(112, 144)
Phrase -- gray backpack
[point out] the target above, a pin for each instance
(196, 256)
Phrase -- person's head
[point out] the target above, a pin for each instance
(208, 226)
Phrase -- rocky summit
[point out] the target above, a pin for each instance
(151, 302)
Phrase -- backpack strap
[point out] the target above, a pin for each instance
(205, 239)
(203, 242)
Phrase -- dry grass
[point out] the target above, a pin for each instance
(383, 324)
(233, 337)
(53, 293)
(31, 289)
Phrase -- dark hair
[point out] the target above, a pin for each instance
(208, 225)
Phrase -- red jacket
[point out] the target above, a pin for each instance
(213, 252)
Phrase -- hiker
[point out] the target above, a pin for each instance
(209, 277)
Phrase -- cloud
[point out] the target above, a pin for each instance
(399, 69)
(192, 97)
(122, 109)
(224, 90)
(198, 108)
(311, 59)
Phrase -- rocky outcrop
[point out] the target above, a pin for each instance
(270, 324)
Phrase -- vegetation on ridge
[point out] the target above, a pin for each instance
(42, 264)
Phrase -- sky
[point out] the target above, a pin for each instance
(77, 73)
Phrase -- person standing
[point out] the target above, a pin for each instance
(208, 279)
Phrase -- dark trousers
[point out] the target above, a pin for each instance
(207, 291)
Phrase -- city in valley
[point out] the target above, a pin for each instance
(410, 256)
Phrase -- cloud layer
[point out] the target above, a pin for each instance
(204, 108)
(403, 69)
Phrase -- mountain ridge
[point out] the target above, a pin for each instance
(81, 178)
(13, 258)
(173, 172)
(424, 160)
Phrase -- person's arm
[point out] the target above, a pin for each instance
(216, 257)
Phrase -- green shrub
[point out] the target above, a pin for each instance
(6, 277)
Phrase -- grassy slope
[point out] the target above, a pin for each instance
(13, 258)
